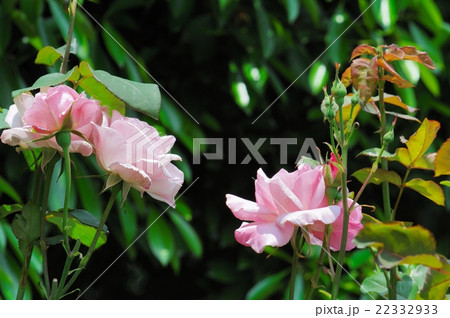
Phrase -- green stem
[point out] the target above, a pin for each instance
(91, 249)
(67, 170)
(66, 269)
(346, 216)
(366, 182)
(384, 162)
(315, 279)
(43, 245)
(402, 187)
(72, 11)
(24, 273)
(37, 185)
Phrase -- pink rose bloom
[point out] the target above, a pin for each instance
(354, 226)
(131, 150)
(35, 117)
(282, 202)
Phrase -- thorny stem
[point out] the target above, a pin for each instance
(72, 10)
(294, 268)
(402, 187)
(91, 249)
(43, 245)
(344, 150)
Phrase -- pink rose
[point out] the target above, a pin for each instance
(32, 118)
(131, 150)
(282, 202)
(354, 226)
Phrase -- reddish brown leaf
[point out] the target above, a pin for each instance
(365, 76)
(363, 49)
(393, 53)
(346, 77)
(411, 53)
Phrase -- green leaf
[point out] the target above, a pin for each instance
(51, 79)
(7, 209)
(268, 286)
(314, 11)
(422, 139)
(442, 161)
(160, 238)
(385, 12)
(428, 189)
(266, 33)
(425, 162)
(445, 183)
(26, 227)
(397, 244)
(110, 36)
(436, 282)
(430, 81)
(407, 288)
(82, 226)
(188, 234)
(374, 152)
(48, 56)
(318, 77)
(292, 9)
(374, 284)
(7, 188)
(116, 92)
(378, 176)
(3, 124)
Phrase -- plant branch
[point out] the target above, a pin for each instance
(344, 150)
(72, 10)
(91, 249)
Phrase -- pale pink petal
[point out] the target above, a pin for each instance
(310, 189)
(110, 147)
(262, 191)
(246, 210)
(166, 183)
(259, 235)
(13, 117)
(20, 135)
(325, 215)
(354, 226)
(283, 197)
(23, 102)
(137, 178)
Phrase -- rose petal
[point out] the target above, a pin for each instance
(325, 215)
(259, 235)
(246, 210)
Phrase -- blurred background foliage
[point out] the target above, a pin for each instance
(224, 62)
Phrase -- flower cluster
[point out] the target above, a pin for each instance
(126, 148)
(288, 200)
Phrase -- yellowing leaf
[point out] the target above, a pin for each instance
(378, 177)
(346, 77)
(396, 101)
(437, 282)
(47, 56)
(398, 244)
(428, 189)
(442, 162)
(422, 139)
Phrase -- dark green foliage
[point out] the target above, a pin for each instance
(219, 65)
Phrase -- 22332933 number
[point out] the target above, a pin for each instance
(406, 309)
